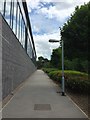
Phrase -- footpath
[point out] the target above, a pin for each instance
(38, 98)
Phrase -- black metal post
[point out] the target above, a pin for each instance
(16, 16)
(10, 12)
(4, 8)
(26, 38)
(19, 27)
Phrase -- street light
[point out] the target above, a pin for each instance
(53, 40)
(63, 81)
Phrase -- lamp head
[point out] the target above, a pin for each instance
(53, 40)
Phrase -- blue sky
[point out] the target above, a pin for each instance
(46, 17)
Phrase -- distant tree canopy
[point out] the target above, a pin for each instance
(75, 36)
(43, 62)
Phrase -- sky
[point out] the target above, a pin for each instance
(46, 17)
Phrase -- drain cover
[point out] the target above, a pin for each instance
(42, 107)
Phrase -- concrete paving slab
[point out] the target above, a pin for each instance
(39, 89)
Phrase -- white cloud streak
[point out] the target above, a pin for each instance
(60, 11)
(43, 47)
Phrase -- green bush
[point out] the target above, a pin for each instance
(48, 70)
(55, 75)
(74, 80)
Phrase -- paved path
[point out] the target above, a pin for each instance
(38, 98)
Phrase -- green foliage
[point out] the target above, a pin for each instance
(40, 58)
(55, 75)
(56, 58)
(43, 62)
(74, 80)
(76, 64)
(85, 65)
(47, 70)
(75, 34)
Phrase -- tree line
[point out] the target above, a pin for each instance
(75, 36)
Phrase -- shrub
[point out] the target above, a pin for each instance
(74, 80)
(48, 70)
(55, 75)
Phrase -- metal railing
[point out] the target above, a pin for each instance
(16, 14)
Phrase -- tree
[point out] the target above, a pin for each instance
(56, 58)
(75, 33)
(40, 58)
(43, 62)
(75, 36)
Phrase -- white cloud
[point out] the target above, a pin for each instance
(43, 47)
(40, 24)
(53, 12)
(59, 12)
(35, 28)
(32, 4)
(35, 3)
(41, 21)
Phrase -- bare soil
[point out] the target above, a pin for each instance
(82, 100)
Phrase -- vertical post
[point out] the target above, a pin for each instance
(10, 12)
(21, 30)
(19, 27)
(26, 38)
(63, 81)
(4, 8)
(23, 34)
(16, 16)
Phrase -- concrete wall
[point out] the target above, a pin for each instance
(16, 64)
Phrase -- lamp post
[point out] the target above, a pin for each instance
(63, 81)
